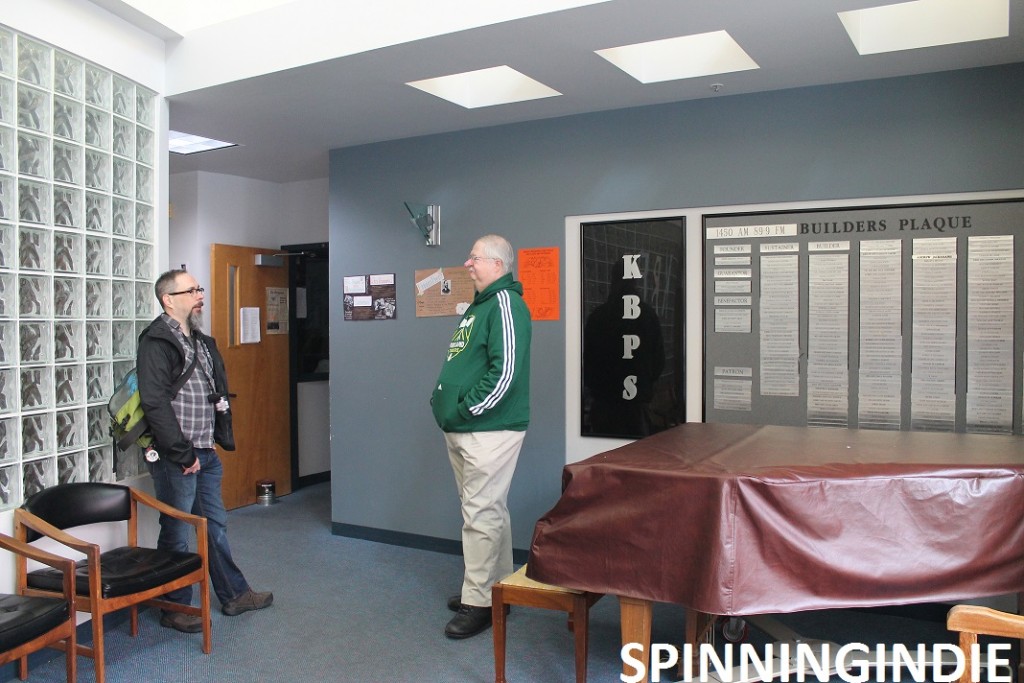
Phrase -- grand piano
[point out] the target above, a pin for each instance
(745, 519)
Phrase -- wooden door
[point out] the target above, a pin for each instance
(257, 372)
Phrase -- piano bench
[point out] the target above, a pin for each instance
(519, 589)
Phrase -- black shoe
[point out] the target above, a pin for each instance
(179, 621)
(468, 622)
(455, 602)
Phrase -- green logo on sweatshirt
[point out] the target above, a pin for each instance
(460, 339)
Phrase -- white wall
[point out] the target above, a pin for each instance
(213, 208)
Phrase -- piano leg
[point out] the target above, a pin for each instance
(700, 628)
(1020, 643)
(635, 618)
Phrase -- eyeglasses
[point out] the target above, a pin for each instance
(191, 290)
(477, 259)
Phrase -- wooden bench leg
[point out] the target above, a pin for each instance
(522, 591)
(498, 631)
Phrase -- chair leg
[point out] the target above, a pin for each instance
(71, 656)
(498, 631)
(97, 647)
(133, 620)
(204, 605)
(71, 663)
(23, 668)
(580, 626)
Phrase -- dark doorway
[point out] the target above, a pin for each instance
(309, 331)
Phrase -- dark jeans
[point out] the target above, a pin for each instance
(199, 494)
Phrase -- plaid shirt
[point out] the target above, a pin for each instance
(191, 406)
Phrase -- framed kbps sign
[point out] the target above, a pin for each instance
(633, 317)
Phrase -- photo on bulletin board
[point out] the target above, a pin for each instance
(633, 316)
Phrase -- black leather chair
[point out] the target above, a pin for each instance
(28, 624)
(110, 580)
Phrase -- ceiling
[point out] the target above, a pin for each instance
(286, 122)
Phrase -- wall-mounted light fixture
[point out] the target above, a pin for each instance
(427, 219)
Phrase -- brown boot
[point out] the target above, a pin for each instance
(179, 621)
(246, 602)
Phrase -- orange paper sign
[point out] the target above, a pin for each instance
(538, 271)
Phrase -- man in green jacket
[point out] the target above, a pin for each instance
(482, 404)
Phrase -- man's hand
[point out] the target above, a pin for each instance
(192, 469)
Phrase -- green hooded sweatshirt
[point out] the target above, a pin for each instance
(485, 380)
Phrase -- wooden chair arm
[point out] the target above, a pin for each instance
(985, 620)
(25, 518)
(159, 506)
(25, 552)
(64, 564)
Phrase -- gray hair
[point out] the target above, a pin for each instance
(498, 247)
(165, 283)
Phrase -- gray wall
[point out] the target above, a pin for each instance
(951, 132)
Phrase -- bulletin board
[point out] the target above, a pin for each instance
(884, 317)
(369, 297)
(443, 291)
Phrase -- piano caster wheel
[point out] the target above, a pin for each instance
(733, 629)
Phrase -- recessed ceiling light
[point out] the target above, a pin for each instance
(185, 143)
(703, 54)
(925, 23)
(485, 87)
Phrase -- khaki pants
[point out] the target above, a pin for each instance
(483, 463)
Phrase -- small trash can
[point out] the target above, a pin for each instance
(266, 493)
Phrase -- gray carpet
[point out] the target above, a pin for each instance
(352, 610)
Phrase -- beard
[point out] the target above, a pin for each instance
(195, 320)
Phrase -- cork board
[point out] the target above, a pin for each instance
(443, 291)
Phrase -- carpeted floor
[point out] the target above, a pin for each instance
(348, 610)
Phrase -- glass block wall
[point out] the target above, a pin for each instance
(77, 230)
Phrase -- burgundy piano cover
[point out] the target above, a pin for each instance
(746, 519)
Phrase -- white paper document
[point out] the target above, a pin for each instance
(881, 338)
(933, 359)
(249, 325)
(779, 312)
(828, 339)
(990, 334)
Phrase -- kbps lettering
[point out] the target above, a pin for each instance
(630, 311)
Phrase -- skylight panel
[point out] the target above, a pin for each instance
(185, 143)
(925, 23)
(671, 59)
(485, 87)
